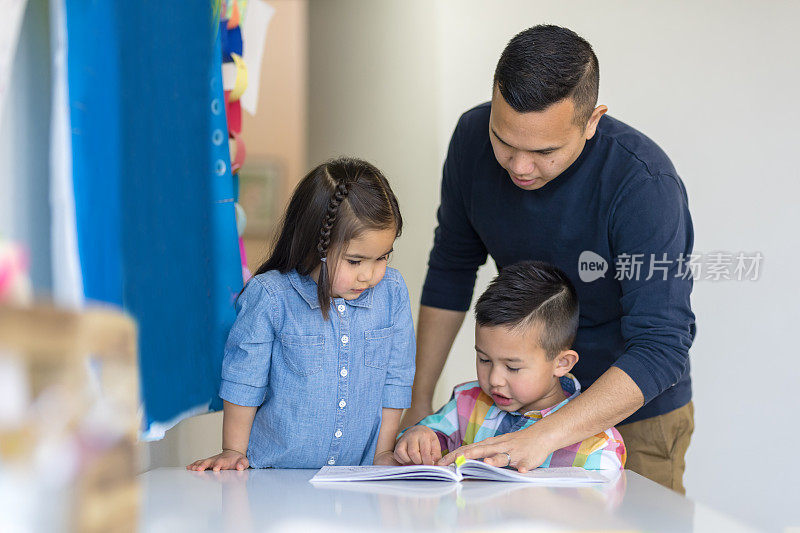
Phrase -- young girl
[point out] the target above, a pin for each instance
(319, 363)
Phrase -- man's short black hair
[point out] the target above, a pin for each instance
(532, 293)
(545, 64)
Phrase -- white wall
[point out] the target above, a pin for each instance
(714, 83)
(25, 144)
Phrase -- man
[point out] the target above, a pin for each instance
(541, 173)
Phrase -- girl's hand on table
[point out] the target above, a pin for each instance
(227, 460)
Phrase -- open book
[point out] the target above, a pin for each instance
(469, 469)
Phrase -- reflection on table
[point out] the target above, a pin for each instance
(283, 500)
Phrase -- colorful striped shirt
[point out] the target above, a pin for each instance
(472, 416)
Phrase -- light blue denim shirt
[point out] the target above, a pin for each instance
(319, 385)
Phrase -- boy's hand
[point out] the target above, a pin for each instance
(227, 460)
(419, 445)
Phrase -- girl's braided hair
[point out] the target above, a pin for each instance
(332, 204)
(339, 195)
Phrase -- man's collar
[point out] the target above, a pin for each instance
(307, 288)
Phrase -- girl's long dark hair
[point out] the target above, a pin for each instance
(332, 204)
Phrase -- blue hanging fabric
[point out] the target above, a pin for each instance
(94, 111)
(154, 191)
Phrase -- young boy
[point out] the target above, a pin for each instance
(526, 322)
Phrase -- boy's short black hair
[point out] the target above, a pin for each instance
(528, 293)
(546, 64)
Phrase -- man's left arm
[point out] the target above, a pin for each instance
(651, 221)
(652, 228)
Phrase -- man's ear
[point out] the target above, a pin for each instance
(591, 126)
(564, 362)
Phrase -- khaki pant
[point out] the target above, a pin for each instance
(657, 446)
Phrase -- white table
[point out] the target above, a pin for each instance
(176, 500)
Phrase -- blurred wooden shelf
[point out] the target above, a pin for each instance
(84, 364)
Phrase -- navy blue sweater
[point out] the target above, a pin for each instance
(620, 198)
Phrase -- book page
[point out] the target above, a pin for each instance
(571, 475)
(375, 473)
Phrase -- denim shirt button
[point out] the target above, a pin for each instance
(341, 308)
(338, 433)
(343, 372)
(342, 403)
(345, 339)
(331, 461)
